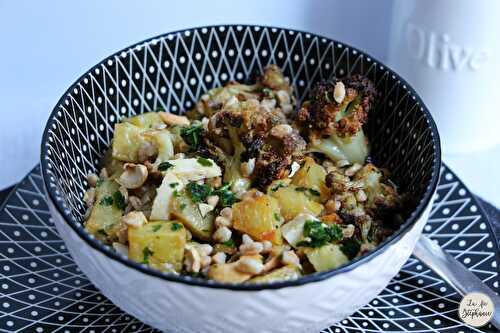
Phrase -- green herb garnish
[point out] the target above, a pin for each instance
(102, 232)
(198, 193)
(350, 247)
(192, 135)
(99, 182)
(173, 185)
(175, 194)
(314, 192)
(157, 227)
(267, 92)
(175, 226)
(320, 233)
(204, 161)
(229, 243)
(182, 206)
(277, 187)
(277, 217)
(164, 166)
(227, 198)
(119, 200)
(106, 201)
(310, 190)
(146, 253)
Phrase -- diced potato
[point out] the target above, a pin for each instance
(293, 231)
(312, 176)
(189, 214)
(158, 243)
(277, 184)
(194, 169)
(145, 120)
(326, 257)
(163, 142)
(162, 203)
(259, 217)
(293, 202)
(127, 141)
(105, 219)
(280, 274)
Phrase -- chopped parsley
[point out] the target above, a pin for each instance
(106, 201)
(164, 166)
(229, 243)
(277, 217)
(226, 197)
(175, 226)
(198, 193)
(314, 192)
(173, 185)
(157, 227)
(146, 253)
(204, 162)
(99, 182)
(306, 189)
(267, 92)
(182, 206)
(350, 247)
(175, 194)
(192, 135)
(277, 187)
(320, 233)
(119, 200)
(102, 232)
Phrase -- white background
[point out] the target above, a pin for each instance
(46, 45)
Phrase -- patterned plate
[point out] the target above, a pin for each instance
(42, 289)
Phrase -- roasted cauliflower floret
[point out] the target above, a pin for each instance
(334, 115)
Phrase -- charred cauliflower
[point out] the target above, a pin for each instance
(333, 117)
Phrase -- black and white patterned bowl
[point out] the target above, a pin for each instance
(171, 72)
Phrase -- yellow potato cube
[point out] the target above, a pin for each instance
(105, 218)
(312, 177)
(293, 201)
(259, 217)
(127, 141)
(326, 257)
(158, 243)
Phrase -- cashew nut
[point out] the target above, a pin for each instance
(172, 119)
(134, 175)
(135, 219)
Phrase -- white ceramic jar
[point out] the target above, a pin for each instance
(449, 50)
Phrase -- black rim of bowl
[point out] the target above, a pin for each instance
(319, 276)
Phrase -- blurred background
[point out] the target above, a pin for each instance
(46, 46)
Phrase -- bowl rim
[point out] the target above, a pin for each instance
(200, 282)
